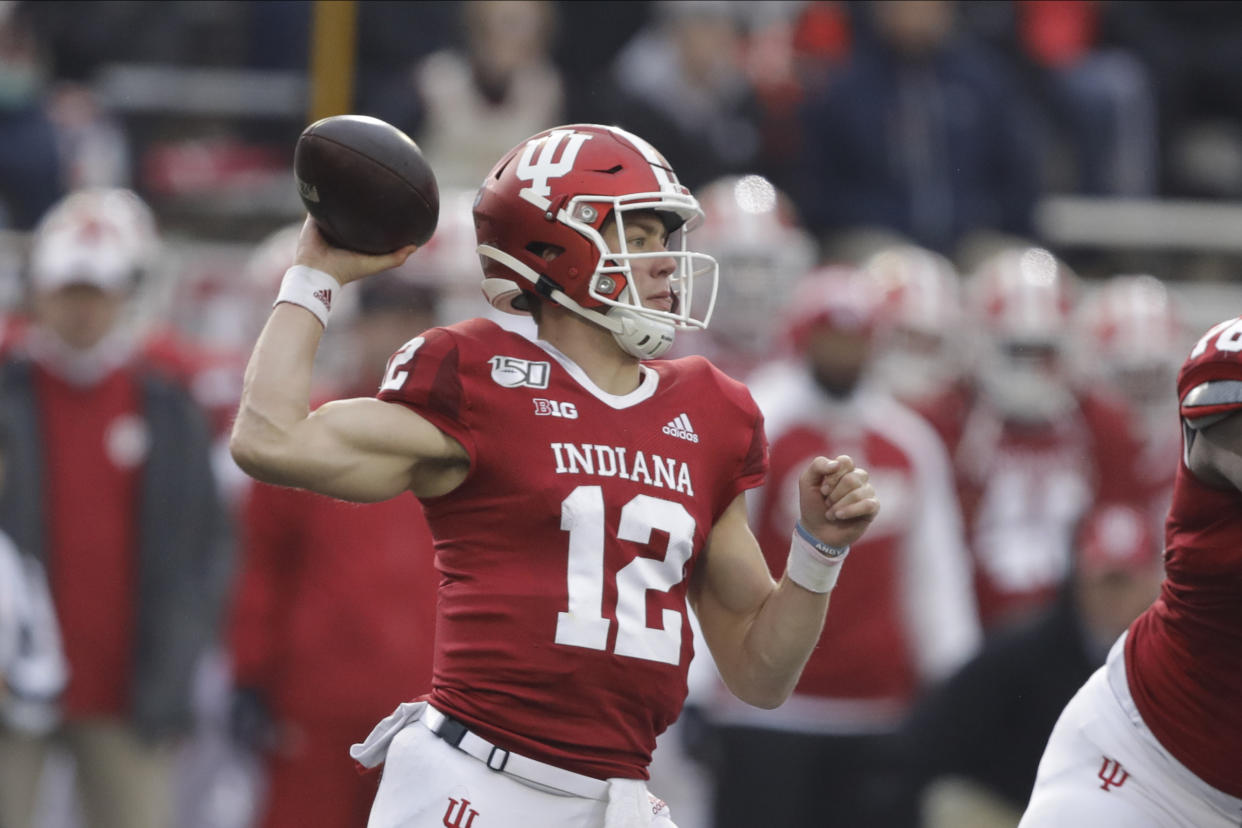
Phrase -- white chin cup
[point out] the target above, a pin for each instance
(640, 335)
(1025, 395)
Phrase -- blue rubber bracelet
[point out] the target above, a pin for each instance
(820, 547)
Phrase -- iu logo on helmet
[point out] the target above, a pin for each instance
(464, 812)
(538, 169)
(1112, 774)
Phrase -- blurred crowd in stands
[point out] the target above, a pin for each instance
(870, 174)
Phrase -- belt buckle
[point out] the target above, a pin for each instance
(452, 731)
(504, 759)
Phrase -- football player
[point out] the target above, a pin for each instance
(108, 482)
(1031, 452)
(1153, 737)
(1132, 334)
(908, 595)
(581, 493)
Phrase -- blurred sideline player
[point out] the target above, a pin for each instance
(108, 482)
(905, 606)
(1131, 335)
(920, 355)
(751, 230)
(1153, 737)
(334, 612)
(448, 262)
(581, 493)
(1031, 451)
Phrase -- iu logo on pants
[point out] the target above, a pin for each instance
(462, 812)
(1112, 774)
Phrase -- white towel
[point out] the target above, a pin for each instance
(32, 660)
(630, 805)
(370, 753)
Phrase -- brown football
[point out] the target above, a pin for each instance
(366, 184)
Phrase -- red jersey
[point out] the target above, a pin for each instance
(318, 576)
(94, 447)
(1184, 654)
(566, 554)
(1025, 487)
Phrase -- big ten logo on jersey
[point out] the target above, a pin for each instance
(511, 372)
(537, 169)
(552, 408)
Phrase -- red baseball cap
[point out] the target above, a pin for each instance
(1117, 537)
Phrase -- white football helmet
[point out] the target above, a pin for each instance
(1020, 303)
(1131, 334)
(751, 230)
(105, 237)
(449, 255)
(449, 263)
(920, 352)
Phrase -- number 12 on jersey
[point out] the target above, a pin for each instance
(584, 625)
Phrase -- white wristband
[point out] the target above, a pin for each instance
(309, 288)
(814, 565)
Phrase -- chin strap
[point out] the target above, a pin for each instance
(642, 336)
(638, 335)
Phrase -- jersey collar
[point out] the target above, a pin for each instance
(645, 390)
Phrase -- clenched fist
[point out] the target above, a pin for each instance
(837, 500)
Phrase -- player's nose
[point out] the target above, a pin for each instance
(662, 267)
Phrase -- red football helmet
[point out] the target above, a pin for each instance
(836, 296)
(1116, 537)
(1020, 302)
(555, 191)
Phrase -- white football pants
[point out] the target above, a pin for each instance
(427, 783)
(1103, 767)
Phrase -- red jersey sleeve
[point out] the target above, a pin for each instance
(425, 375)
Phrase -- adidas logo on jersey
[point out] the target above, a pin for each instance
(680, 427)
